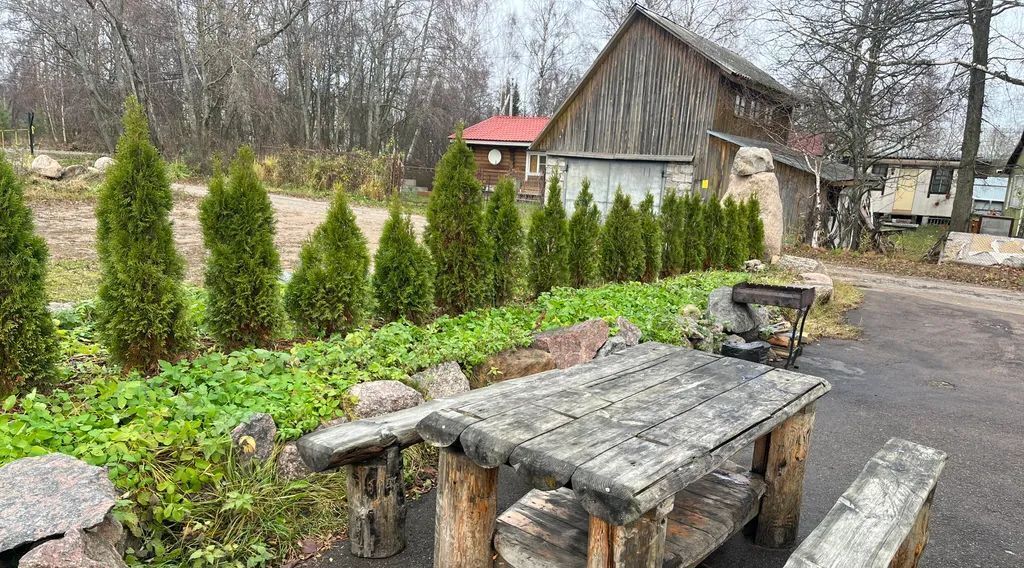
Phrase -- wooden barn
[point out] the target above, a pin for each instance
(653, 113)
(501, 148)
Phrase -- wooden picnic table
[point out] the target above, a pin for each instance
(626, 433)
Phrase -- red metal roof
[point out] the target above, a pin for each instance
(523, 129)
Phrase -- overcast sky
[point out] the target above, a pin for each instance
(1004, 102)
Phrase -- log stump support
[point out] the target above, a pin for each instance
(467, 506)
(913, 546)
(781, 457)
(640, 544)
(376, 505)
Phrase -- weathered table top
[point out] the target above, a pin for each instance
(626, 431)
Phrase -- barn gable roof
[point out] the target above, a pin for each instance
(730, 61)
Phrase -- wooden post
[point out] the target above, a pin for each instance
(783, 467)
(913, 546)
(376, 506)
(467, 506)
(640, 544)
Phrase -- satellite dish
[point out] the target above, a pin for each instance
(494, 157)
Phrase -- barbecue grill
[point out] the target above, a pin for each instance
(799, 298)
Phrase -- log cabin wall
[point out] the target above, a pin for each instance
(512, 164)
(648, 95)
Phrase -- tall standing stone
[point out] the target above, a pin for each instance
(753, 173)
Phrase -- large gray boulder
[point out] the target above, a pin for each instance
(751, 160)
(574, 344)
(383, 397)
(442, 381)
(290, 465)
(50, 495)
(741, 319)
(47, 167)
(822, 284)
(103, 163)
(512, 364)
(800, 264)
(253, 439)
(753, 174)
(73, 171)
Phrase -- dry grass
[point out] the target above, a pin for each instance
(71, 280)
(829, 320)
(825, 321)
(904, 264)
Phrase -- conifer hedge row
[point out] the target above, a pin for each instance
(478, 256)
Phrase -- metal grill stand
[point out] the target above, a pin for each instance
(794, 297)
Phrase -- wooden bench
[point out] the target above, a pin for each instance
(550, 528)
(880, 521)
(370, 449)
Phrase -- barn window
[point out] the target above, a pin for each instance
(536, 164)
(942, 180)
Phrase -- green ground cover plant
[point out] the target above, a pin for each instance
(166, 438)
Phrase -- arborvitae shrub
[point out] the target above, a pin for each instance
(142, 312)
(714, 234)
(584, 236)
(455, 232)
(506, 234)
(673, 233)
(693, 232)
(622, 246)
(403, 275)
(548, 240)
(650, 231)
(755, 228)
(243, 269)
(736, 233)
(28, 343)
(329, 291)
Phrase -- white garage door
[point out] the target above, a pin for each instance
(636, 179)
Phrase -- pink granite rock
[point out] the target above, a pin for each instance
(575, 344)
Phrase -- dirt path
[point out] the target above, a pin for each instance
(70, 227)
(943, 291)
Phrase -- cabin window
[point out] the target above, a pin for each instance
(942, 181)
(536, 164)
(882, 172)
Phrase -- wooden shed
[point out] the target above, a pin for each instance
(501, 148)
(642, 116)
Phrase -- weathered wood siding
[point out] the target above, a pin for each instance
(795, 186)
(771, 124)
(513, 165)
(649, 94)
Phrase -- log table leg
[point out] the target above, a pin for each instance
(913, 546)
(467, 506)
(376, 505)
(640, 544)
(780, 457)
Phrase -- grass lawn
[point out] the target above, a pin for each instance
(70, 280)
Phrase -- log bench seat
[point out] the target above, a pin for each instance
(881, 521)
(548, 529)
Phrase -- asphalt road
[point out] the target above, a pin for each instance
(933, 371)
